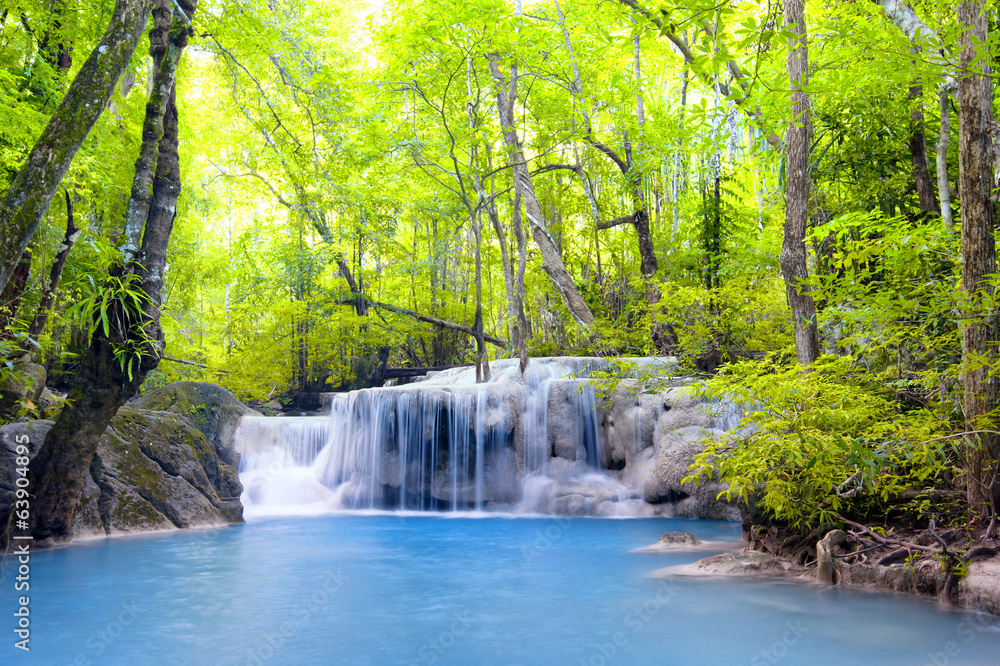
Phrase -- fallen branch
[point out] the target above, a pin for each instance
(443, 323)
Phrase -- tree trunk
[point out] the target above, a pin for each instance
(680, 176)
(165, 58)
(552, 264)
(482, 361)
(104, 382)
(640, 217)
(918, 152)
(55, 275)
(975, 156)
(508, 270)
(944, 137)
(793, 250)
(32, 189)
(522, 263)
(10, 297)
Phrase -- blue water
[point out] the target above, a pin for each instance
(390, 589)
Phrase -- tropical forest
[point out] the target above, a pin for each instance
(499, 331)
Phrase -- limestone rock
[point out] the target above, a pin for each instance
(153, 470)
(678, 539)
(212, 409)
(675, 451)
(739, 563)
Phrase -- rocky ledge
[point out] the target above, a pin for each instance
(165, 462)
(875, 568)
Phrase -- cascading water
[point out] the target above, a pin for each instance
(445, 444)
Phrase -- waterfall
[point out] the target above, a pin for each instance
(529, 444)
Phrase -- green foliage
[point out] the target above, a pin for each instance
(819, 444)
(116, 309)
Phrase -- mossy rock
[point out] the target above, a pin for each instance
(210, 408)
(152, 471)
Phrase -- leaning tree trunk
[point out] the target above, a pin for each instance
(793, 250)
(103, 383)
(552, 262)
(975, 157)
(32, 189)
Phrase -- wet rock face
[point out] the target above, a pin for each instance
(153, 470)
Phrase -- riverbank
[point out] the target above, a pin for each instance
(878, 568)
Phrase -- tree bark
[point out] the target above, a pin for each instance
(793, 251)
(10, 297)
(944, 137)
(552, 263)
(165, 57)
(918, 152)
(975, 157)
(55, 275)
(102, 382)
(522, 264)
(31, 191)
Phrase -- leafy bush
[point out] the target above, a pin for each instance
(818, 444)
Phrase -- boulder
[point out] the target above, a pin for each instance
(678, 539)
(738, 563)
(210, 408)
(153, 470)
(675, 451)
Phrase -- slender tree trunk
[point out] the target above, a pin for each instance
(31, 191)
(979, 337)
(55, 275)
(482, 361)
(918, 152)
(680, 175)
(793, 251)
(647, 250)
(103, 382)
(508, 270)
(522, 264)
(944, 136)
(552, 264)
(639, 218)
